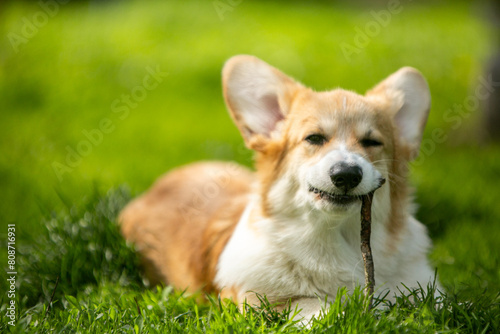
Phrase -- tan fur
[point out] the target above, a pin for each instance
(183, 224)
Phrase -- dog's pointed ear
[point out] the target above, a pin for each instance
(409, 99)
(258, 97)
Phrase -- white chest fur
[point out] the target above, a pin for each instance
(285, 259)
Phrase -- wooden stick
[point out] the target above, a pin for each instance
(366, 251)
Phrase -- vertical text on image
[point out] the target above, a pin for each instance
(11, 274)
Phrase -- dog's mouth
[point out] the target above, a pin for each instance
(341, 200)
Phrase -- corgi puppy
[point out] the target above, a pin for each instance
(291, 229)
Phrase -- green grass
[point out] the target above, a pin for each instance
(65, 79)
(101, 291)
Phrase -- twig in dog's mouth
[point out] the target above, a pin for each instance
(366, 251)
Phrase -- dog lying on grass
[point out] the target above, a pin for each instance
(291, 229)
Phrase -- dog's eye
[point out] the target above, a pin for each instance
(316, 139)
(366, 142)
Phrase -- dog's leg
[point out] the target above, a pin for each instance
(307, 307)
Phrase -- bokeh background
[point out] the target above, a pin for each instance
(99, 94)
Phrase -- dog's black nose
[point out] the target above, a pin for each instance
(345, 176)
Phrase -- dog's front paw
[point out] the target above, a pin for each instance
(305, 310)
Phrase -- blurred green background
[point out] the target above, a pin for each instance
(67, 127)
